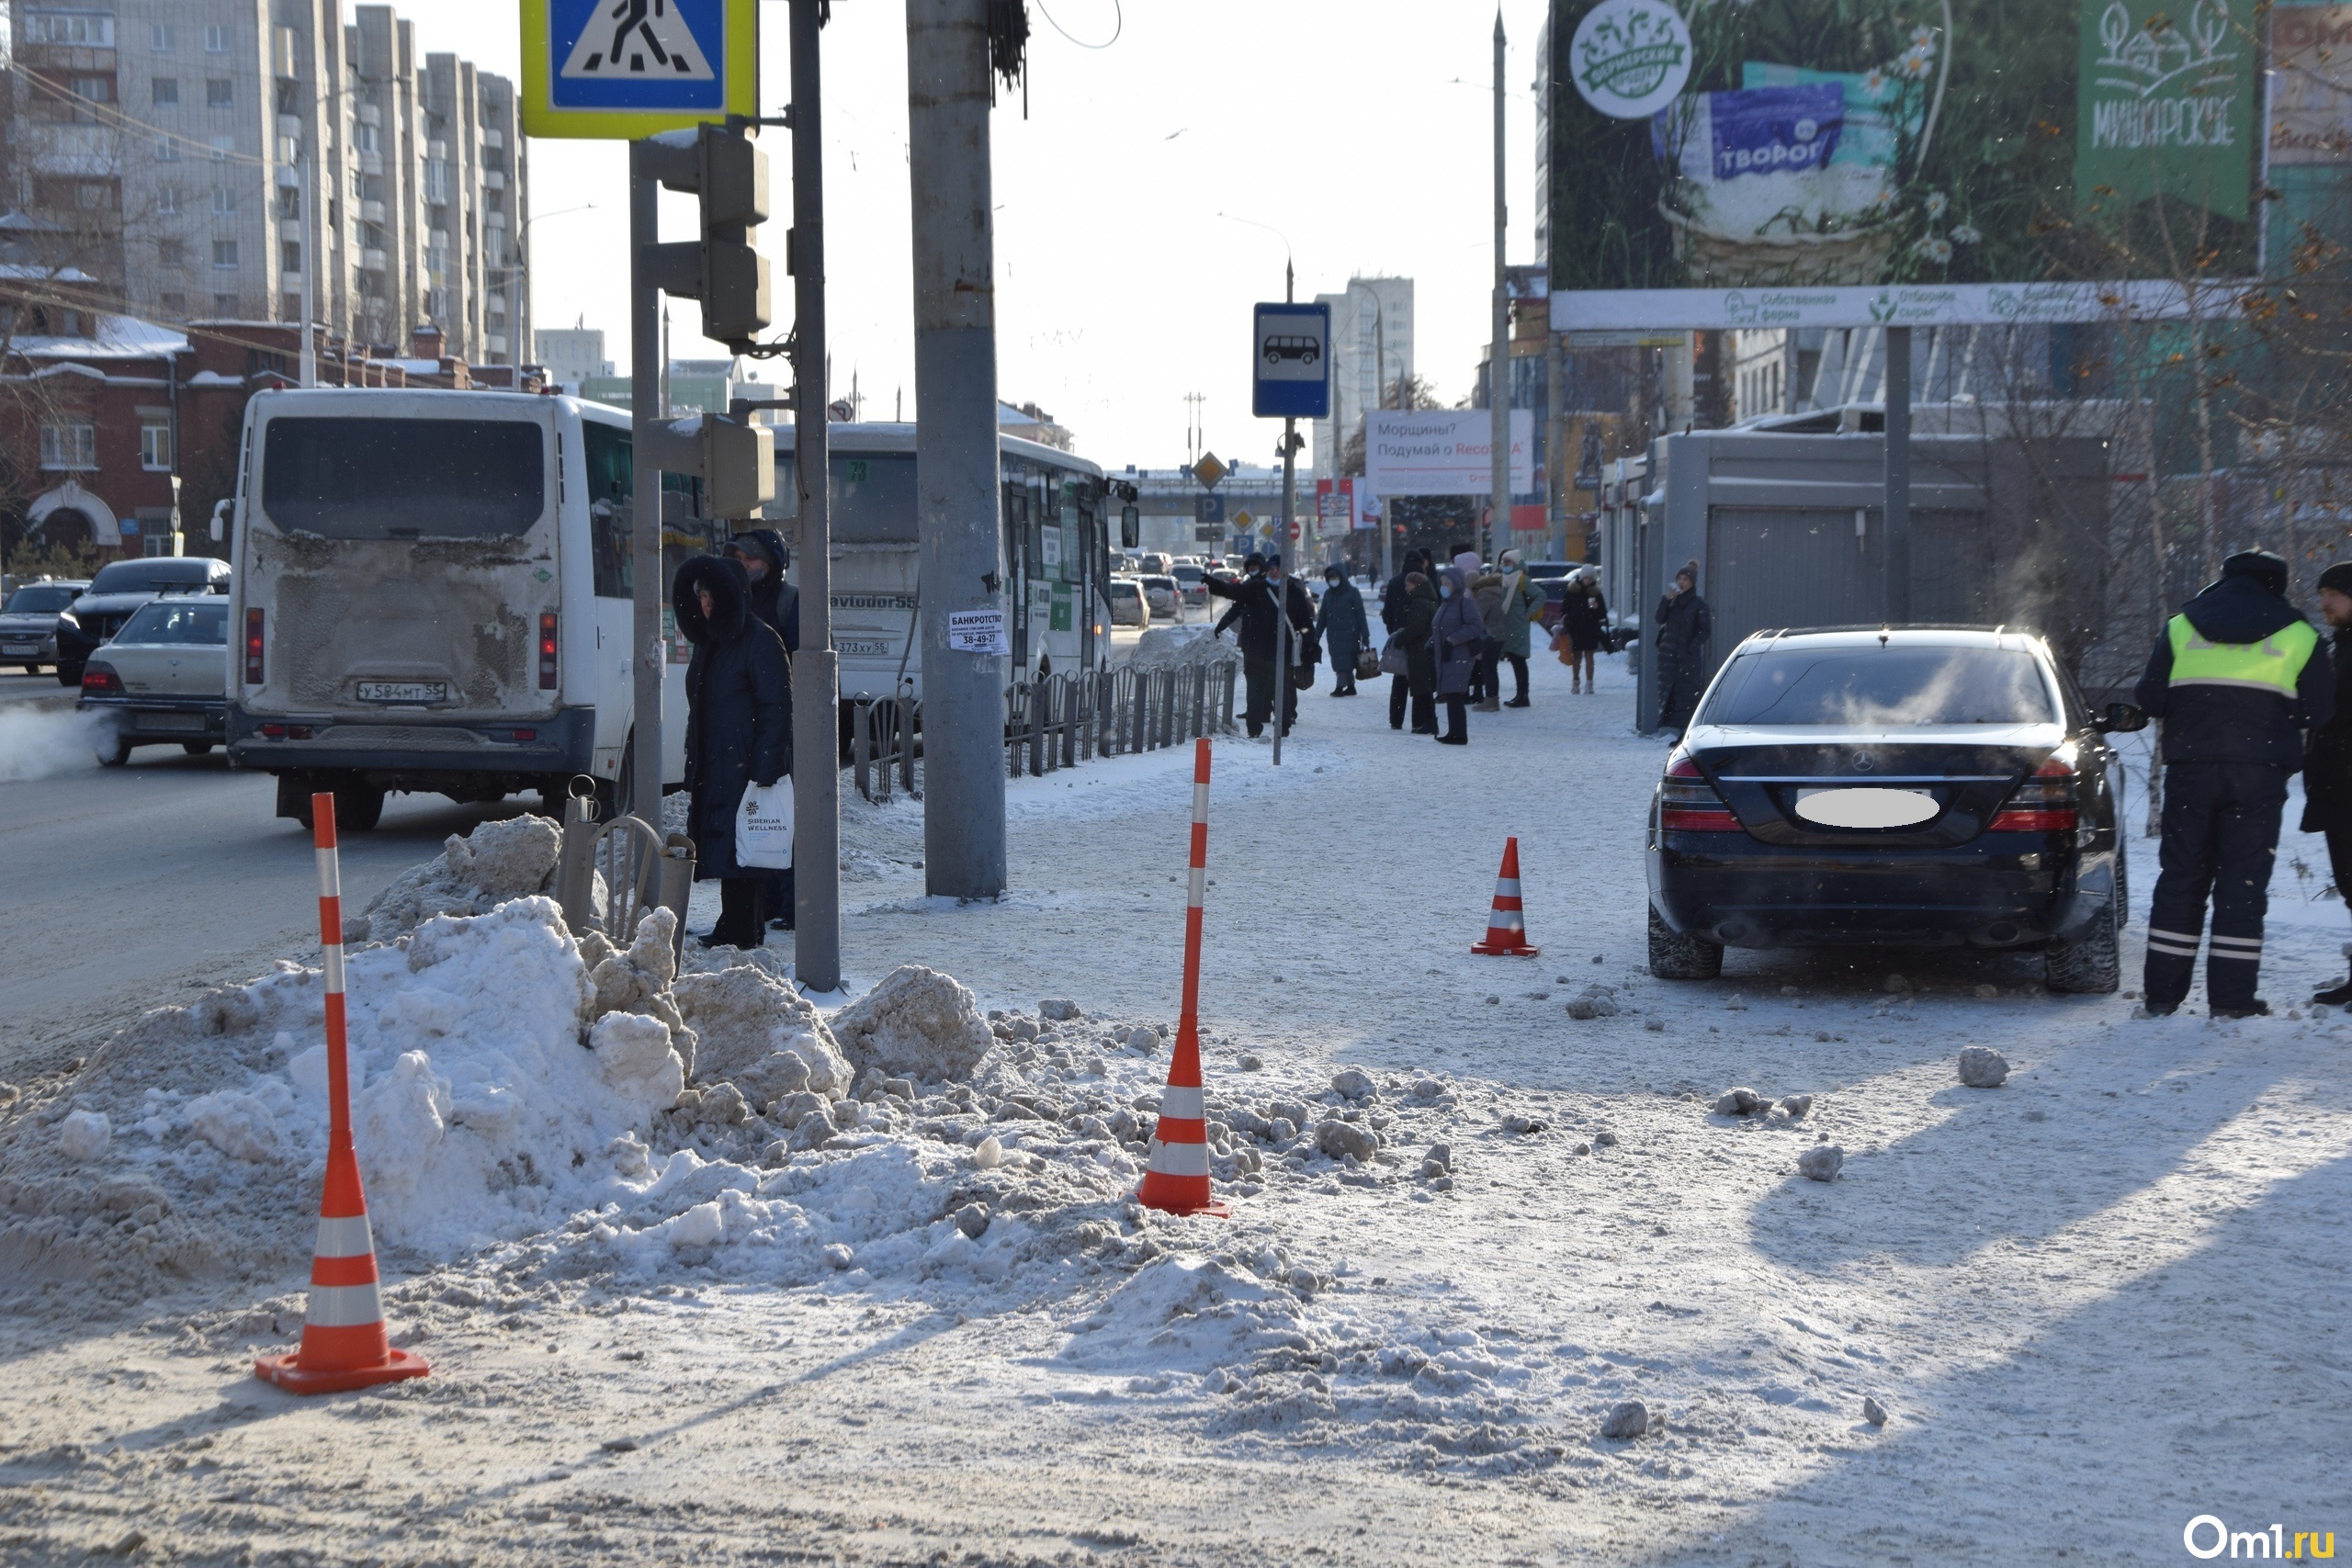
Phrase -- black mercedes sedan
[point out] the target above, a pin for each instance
(1913, 786)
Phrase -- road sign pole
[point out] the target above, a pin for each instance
(647, 663)
(816, 670)
(1896, 515)
(1281, 599)
(956, 472)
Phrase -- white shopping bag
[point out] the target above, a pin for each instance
(764, 827)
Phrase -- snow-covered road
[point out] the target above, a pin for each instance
(2098, 1301)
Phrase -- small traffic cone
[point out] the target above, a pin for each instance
(1506, 927)
(1176, 1179)
(343, 1343)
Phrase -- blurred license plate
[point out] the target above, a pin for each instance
(1875, 808)
(19, 650)
(403, 691)
(170, 721)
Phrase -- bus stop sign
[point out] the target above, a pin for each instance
(1291, 362)
(624, 69)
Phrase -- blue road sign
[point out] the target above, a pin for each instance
(1291, 362)
(629, 68)
(1208, 508)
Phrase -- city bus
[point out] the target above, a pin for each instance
(1057, 549)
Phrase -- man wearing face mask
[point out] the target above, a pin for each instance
(1342, 624)
(1456, 637)
(1261, 602)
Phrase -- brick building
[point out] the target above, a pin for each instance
(99, 413)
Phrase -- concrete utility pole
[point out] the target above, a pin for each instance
(956, 470)
(310, 238)
(816, 669)
(645, 509)
(1897, 513)
(1498, 356)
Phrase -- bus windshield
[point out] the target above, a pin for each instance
(870, 501)
(404, 479)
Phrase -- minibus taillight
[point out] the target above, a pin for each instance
(547, 651)
(253, 648)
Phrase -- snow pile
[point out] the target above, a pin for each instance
(758, 1033)
(918, 1024)
(1161, 647)
(472, 875)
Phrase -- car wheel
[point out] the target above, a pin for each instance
(196, 748)
(115, 755)
(2089, 965)
(357, 806)
(1674, 956)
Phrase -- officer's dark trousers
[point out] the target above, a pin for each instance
(1260, 686)
(2221, 836)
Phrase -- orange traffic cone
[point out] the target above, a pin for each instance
(1176, 1180)
(344, 1343)
(1506, 927)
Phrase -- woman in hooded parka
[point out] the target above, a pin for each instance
(739, 732)
(1457, 635)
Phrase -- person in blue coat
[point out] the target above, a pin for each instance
(1341, 623)
(739, 732)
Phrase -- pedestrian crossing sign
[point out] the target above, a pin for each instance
(624, 69)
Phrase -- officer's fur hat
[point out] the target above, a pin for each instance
(2262, 566)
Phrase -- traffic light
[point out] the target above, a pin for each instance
(725, 168)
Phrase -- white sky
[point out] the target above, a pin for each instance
(1344, 123)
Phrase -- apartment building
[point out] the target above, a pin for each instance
(1372, 348)
(208, 159)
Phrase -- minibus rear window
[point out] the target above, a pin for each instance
(404, 479)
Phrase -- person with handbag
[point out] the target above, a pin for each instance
(1520, 600)
(1340, 624)
(1396, 656)
(1584, 620)
(776, 602)
(738, 732)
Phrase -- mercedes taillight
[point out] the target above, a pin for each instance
(1689, 804)
(2044, 803)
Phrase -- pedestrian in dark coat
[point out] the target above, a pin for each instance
(2237, 677)
(1584, 619)
(1684, 624)
(1258, 604)
(1340, 624)
(1393, 601)
(1487, 593)
(739, 730)
(760, 552)
(2327, 760)
(1421, 605)
(1457, 637)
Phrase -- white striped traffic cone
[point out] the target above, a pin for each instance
(343, 1342)
(1506, 927)
(1176, 1180)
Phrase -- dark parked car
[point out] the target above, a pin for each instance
(119, 589)
(1918, 787)
(29, 622)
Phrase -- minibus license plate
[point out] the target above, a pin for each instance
(403, 691)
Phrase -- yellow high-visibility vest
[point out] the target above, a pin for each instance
(2274, 664)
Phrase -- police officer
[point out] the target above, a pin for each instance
(2236, 678)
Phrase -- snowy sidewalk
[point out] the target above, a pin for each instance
(2096, 1302)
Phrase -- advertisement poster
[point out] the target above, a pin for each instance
(1443, 451)
(1773, 162)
